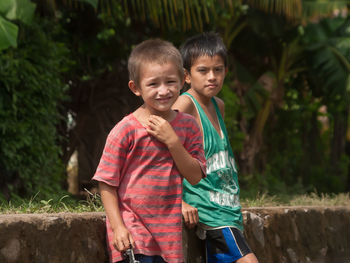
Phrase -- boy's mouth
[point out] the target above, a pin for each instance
(211, 86)
(164, 99)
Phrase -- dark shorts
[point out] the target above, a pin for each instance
(145, 259)
(225, 245)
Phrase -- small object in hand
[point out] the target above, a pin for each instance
(131, 257)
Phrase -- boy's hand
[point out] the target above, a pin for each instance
(162, 130)
(188, 166)
(122, 239)
(190, 215)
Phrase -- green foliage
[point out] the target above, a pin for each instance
(55, 204)
(93, 203)
(295, 153)
(20, 10)
(295, 156)
(231, 116)
(30, 96)
(96, 40)
(328, 54)
(11, 10)
(8, 33)
(93, 3)
(312, 199)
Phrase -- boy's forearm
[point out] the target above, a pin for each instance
(188, 166)
(163, 131)
(110, 203)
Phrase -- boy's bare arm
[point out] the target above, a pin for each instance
(189, 213)
(184, 104)
(122, 238)
(221, 106)
(187, 165)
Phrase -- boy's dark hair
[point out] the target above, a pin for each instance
(153, 51)
(207, 43)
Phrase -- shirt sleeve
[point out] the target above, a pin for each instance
(194, 144)
(113, 157)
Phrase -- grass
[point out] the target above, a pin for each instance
(66, 203)
(312, 199)
(93, 203)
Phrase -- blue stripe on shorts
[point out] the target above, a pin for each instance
(225, 245)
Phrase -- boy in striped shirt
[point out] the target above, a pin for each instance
(146, 156)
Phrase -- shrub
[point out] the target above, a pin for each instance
(30, 94)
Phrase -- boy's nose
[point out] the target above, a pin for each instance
(163, 89)
(211, 74)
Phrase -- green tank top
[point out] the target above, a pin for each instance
(217, 196)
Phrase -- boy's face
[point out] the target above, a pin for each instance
(159, 87)
(207, 75)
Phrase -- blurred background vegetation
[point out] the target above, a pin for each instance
(63, 86)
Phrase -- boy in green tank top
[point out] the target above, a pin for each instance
(213, 204)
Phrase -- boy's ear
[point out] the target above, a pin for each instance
(133, 88)
(187, 77)
(183, 82)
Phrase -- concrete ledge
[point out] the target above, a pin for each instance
(276, 234)
(299, 234)
(54, 238)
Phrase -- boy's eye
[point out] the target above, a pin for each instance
(219, 69)
(202, 70)
(151, 84)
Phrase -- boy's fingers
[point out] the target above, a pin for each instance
(153, 119)
(195, 216)
(150, 124)
(193, 219)
(131, 240)
(119, 245)
(122, 244)
(190, 215)
(188, 219)
(126, 243)
(185, 215)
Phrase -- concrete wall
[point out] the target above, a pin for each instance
(282, 234)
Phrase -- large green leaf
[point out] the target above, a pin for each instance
(328, 49)
(5, 6)
(22, 10)
(8, 34)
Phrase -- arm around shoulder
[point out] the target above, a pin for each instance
(190, 157)
(188, 166)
